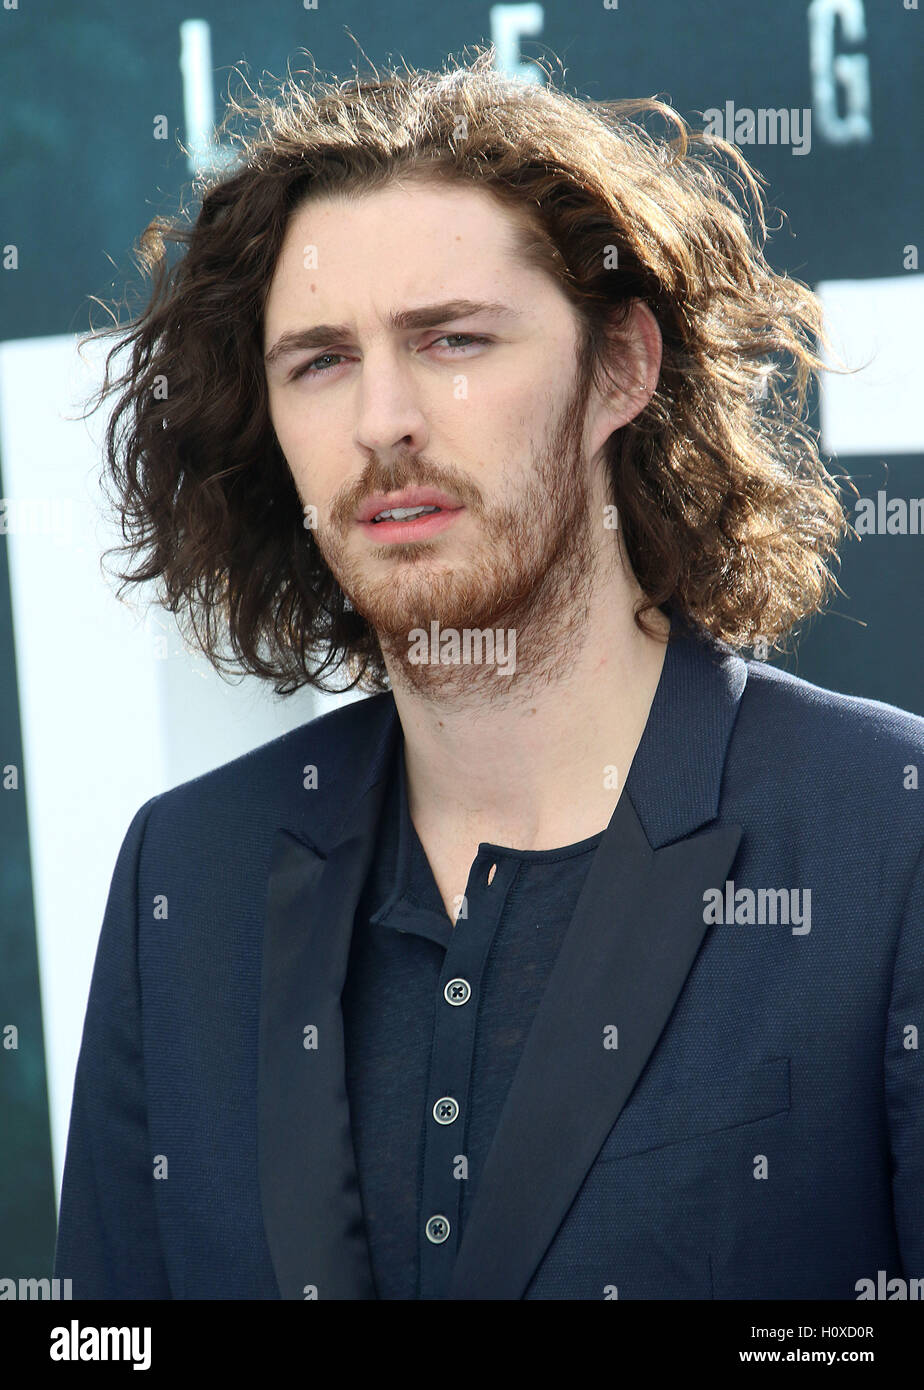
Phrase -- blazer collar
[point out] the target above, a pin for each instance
(627, 968)
(675, 779)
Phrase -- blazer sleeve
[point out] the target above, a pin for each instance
(107, 1241)
(904, 1080)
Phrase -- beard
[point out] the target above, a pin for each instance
(529, 569)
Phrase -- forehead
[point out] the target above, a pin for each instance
(412, 236)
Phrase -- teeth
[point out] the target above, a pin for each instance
(402, 513)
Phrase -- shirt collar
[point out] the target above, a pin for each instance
(408, 895)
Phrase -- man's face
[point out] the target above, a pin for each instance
(368, 410)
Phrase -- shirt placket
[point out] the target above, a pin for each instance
(448, 1100)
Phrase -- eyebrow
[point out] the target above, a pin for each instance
(427, 316)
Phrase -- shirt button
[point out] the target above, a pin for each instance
(457, 991)
(445, 1110)
(437, 1229)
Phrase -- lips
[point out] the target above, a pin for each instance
(419, 528)
(409, 497)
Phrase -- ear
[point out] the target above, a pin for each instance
(636, 365)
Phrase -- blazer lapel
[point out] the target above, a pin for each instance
(635, 933)
(634, 936)
(308, 1180)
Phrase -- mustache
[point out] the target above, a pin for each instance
(404, 472)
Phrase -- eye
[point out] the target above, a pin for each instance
(472, 338)
(306, 366)
(311, 368)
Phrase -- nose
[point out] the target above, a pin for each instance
(390, 420)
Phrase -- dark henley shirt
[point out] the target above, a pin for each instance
(435, 1019)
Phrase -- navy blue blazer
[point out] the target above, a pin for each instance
(710, 1103)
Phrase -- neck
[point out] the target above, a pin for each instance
(541, 761)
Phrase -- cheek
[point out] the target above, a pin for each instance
(288, 423)
(292, 431)
(291, 436)
(515, 409)
(310, 454)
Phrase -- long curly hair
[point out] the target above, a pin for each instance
(726, 511)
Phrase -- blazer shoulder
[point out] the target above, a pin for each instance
(858, 759)
(803, 712)
(260, 786)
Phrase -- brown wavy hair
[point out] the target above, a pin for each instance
(726, 511)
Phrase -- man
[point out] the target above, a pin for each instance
(584, 959)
